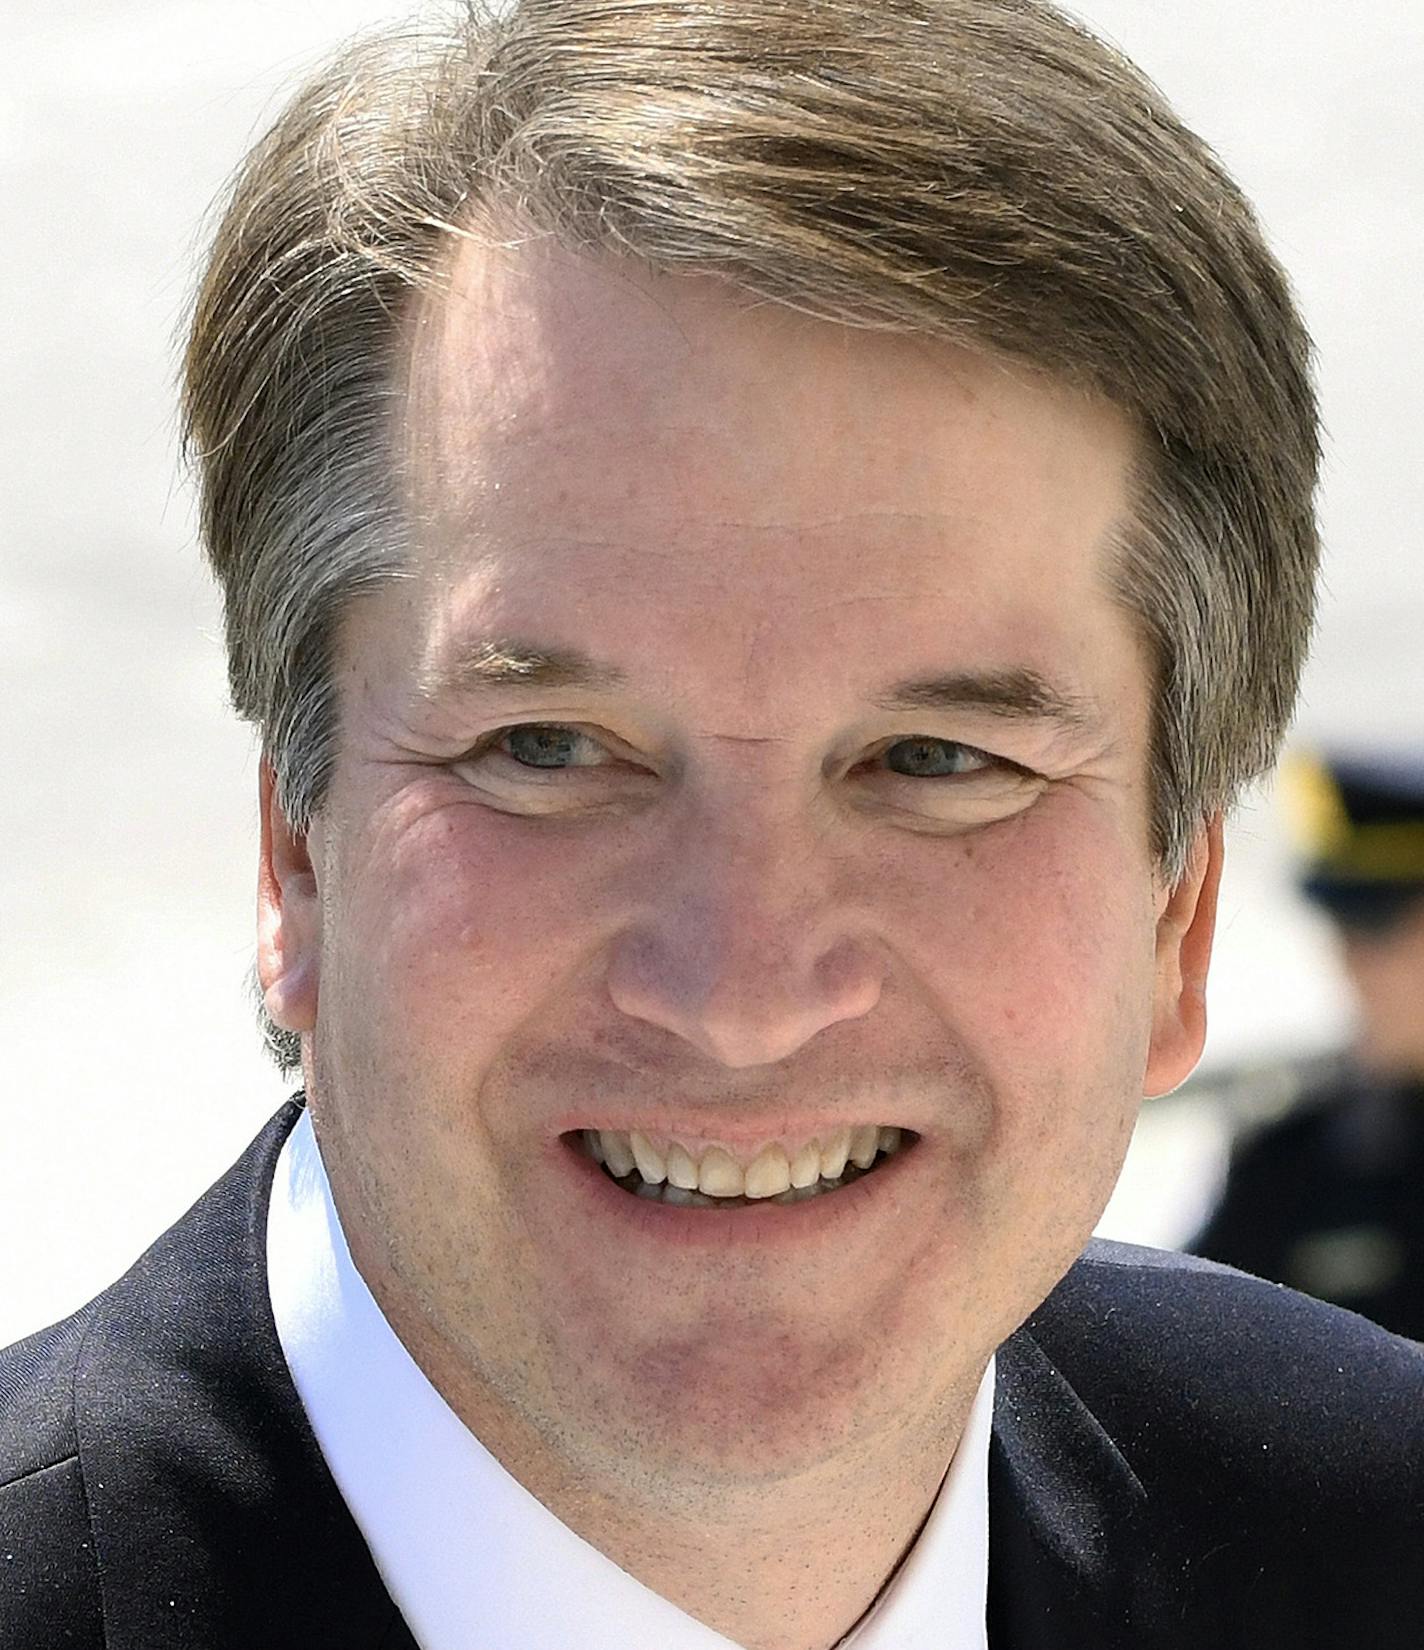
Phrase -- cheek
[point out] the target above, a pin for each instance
(1036, 944)
(1041, 965)
(1048, 922)
(452, 923)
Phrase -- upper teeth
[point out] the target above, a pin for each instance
(717, 1171)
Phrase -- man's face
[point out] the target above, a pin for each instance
(754, 754)
(1387, 972)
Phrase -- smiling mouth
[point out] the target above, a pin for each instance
(664, 1170)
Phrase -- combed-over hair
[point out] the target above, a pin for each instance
(985, 171)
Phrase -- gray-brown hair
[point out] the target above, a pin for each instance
(985, 171)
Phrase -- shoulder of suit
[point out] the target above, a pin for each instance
(1247, 1390)
(38, 1374)
(37, 1428)
(49, 1579)
(49, 1568)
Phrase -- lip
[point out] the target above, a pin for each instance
(767, 1227)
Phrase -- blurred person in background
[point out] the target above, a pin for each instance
(1330, 1198)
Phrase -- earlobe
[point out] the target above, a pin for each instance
(288, 915)
(1185, 929)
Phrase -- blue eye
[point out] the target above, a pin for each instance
(925, 758)
(550, 745)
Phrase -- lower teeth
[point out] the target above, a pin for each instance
(665, 1192)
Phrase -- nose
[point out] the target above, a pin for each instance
(742, 949)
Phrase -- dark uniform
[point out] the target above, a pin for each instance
(1330, 1198)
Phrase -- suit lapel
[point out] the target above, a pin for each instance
(215, 1520)
(1068, 1550)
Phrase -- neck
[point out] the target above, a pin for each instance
(791, 1564)
(795, 1571)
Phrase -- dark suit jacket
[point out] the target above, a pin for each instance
(1182, 1457)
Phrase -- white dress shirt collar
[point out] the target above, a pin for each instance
(469, 1556)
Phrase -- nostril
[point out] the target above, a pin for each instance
(745, 1000)
(851, 975)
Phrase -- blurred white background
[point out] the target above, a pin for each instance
(130, 1067)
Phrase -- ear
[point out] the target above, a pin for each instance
(1185, 926)
(288, 916)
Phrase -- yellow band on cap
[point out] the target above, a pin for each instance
(1387, 851)
(1315, 810)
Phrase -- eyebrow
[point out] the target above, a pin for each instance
(504, 664)
(1022, 695)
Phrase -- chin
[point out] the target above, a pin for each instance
(749, 1403)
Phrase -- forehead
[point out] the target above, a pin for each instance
(537, 344)
(590, 421)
